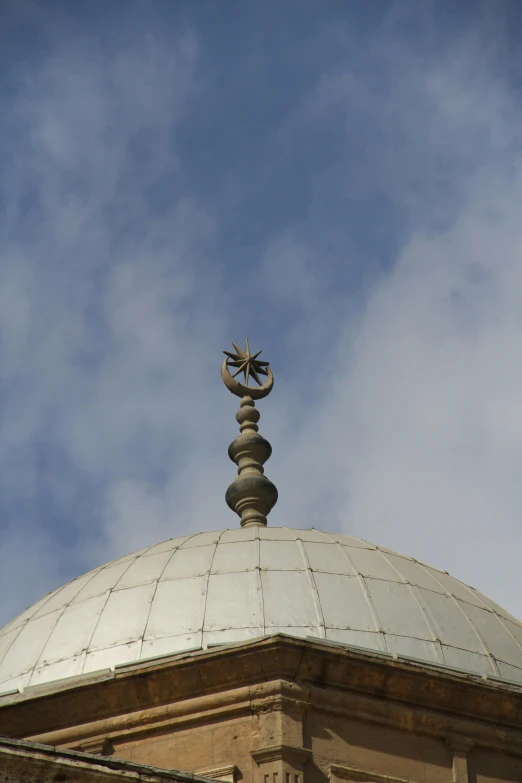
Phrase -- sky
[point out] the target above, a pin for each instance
(342, 183)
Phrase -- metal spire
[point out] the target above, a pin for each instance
(251, 495)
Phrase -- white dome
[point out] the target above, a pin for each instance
(233, 585)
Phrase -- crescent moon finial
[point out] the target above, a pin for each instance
(248, 364)
(251, 495)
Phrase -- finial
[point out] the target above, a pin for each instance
(251, 495)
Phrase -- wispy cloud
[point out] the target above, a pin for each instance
(418, 439)
(108, 320)
(161, 195)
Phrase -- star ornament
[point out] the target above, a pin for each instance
(246, 363)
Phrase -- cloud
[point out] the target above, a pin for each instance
(368, 234)
(417, 440)
(108, 322)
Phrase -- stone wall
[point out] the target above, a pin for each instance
(284, 710)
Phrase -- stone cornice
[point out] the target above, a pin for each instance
(228, 772)
(356, 775)
(288, 753)
(156, 720)
(424, 721)
(281, 695)
(244, 678)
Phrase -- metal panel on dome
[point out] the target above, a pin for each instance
(129, 556)
(167, 546)
(370, 562)
(178, 607)
(201, 539)
(124, 617)
(102, 580)
(372, 641)
(230, 635)
(414, 573)
(397, 610)
(189, 562)
(275, 533)
(497, 609)
(59, 670)
(454, 587)
(469, 661)
(233, 601)
(83, 617)
(342, 538)
(6, 640)
(59, 598)
(510, 672)
(146, 568)
(238, 534)
(111, 656)
(414, 648)
(310, 535)
(328, 558)
(514, 628)
(27, 646)
(239, 556)
(316, 631)
(170, 645)
(19, 682)
(336, 592)
(28, 613)
(281, 556)
(502, 645)
(449, 621)
(288, 599)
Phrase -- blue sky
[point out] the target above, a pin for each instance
(340, 182)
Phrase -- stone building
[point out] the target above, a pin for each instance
(261, 654)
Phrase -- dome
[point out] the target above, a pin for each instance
(234, 585)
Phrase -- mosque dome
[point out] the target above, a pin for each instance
(234, 585)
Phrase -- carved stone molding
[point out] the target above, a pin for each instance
(286, 753)
(459, 743)
(279, 706)
(349, 774)
(280, 694)
(99, 746)
(460, 747)
(229, 773)
(274, 703)
(280, 763)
